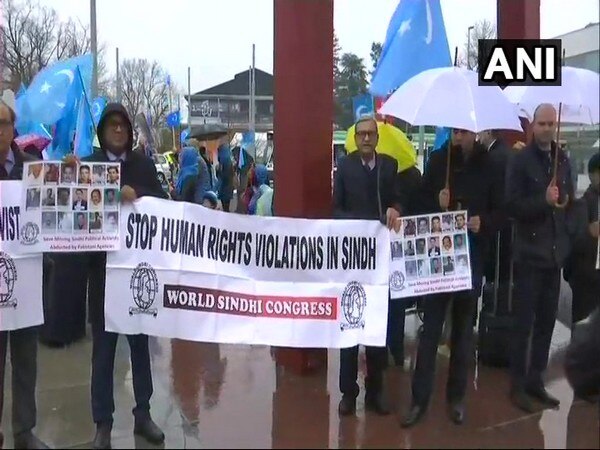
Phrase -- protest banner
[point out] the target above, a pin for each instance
(192, 273)
(430, 255)
(70, 209)
(20, 275)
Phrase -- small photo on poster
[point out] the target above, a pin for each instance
(423, 268)
(447, 222)
(460, 243)
(113, 175)
(80, 202)
(48, 197)
(110, 198)
(51, 173)
(95, 222)
(410, 248)
(67, 174)
(460, 222)
(85, 176)
(96, 200)
(421, 244)
(111, 222)
(462, 265)
(436, 266)
(410, 227)
(447, 246)
(33, 198)
(436, 225)
(65, 222)
(397, 250)
(423, 226)
(99, 174)
(80, 222)
(434, 247)
(48, 222)
(411, 269)
(63, 198)
(35, 174)
(448, 265)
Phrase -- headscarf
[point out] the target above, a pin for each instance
(261, 175)
(188, 163)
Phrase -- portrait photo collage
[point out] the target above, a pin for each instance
(70, 199)
(433, 245)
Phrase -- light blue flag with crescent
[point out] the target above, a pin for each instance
(363, 105)
(49, 93)
(97, 107)
(416, 41)
(65, 127)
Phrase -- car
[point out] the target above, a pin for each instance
(163, 168)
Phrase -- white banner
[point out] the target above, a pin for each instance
(70, 209)
(20, 275)
(430, 255)
(188, 272)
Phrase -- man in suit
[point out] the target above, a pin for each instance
(138, 178)
(365, 187)
(80, 204)
(539, 205)
(23, 342)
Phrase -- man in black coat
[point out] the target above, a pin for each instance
(365, 187)
(472, 187)
(23, 342)
(138, 178)
(536, 201)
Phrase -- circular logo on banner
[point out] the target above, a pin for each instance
(144, 288)
(29, 233)
(8, 277)
(397, 281)
(354, 300)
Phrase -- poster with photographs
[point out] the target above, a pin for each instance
(70, 209)
(430, 255)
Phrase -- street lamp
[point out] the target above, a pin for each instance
(469, 46)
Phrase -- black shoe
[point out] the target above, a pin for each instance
(414, 416)
(150, 431)
(456, 412)
(540, 393)
(347, 406)
(398, 358)
(377, 405)
(521, 400)
(102, 439)
(28, 441)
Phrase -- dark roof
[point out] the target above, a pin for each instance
(240, 85)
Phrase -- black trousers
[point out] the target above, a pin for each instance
(23, 357)
(376, 364)
(536, 294)
(434, 309)
(396, 325)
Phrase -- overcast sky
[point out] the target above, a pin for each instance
(214, 37)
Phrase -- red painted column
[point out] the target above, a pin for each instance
(518, 19)
(303, 125)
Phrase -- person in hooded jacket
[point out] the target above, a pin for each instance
(262, 200)
(193, 180)
(225, 174)
(138, 179)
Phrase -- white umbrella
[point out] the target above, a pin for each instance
(451, 97)
(579, 94)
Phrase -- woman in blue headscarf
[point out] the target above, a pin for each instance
(262, 200)
(193, 180)
(225, 175)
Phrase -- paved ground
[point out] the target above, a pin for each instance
(223, 396)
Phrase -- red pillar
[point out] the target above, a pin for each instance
(518, 19)
(303, 125)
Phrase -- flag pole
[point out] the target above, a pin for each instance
(171, 109)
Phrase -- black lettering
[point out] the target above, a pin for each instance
(166, 230)
(184, 226)
(130, 230)
(212, 243)
(248, 252)
(345, 253)
(270, 248)
(320, 255)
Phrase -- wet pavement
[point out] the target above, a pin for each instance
(225, 396)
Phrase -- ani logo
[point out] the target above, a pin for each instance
(8, 277)
(29, 233)
(354, 300)
(144, 287)
(397, 281)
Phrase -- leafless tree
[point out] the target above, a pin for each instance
(483, 29)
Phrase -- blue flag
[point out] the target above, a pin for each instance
(97, 107)
(66, 124)
(416, 41)
(363, 106)
(248, 141)
(442, 135)
(184, 135)
(84, 130)
(173, 119)
(50, 92)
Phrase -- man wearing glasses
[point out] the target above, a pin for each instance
(366, 187)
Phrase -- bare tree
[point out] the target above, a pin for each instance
(484, 29)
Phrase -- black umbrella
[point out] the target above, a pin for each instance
(208, 131)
